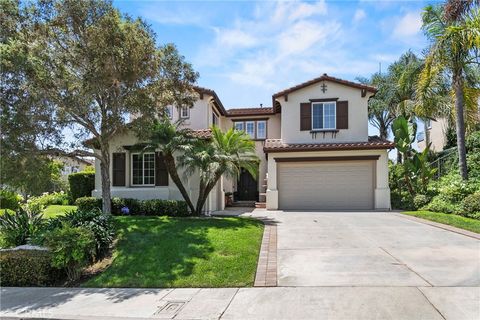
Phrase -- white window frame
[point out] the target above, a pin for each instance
(323, 115)
(246, 126)
(187, 115)
(264, 130)
(239, 122)
(143, 184)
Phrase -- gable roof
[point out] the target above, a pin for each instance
(218, 103)
(249, 112)
(325, 77)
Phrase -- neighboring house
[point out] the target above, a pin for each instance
(435, 132)
(72, 165)
(313, 145)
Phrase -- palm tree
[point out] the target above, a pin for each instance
(223, 155)
(170, 138)
(454, 47)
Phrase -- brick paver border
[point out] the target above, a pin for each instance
(266, 275)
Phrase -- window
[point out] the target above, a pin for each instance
(239, 126)
(428, 124)
(255, 129)
(214, 119)
(261, 129)
(169, 112)
(143, 169)
(185, 112)
(250, 128)
(323, 116)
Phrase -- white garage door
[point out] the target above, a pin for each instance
(322, 185)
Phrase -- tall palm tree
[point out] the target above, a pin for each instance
(170, 138)
(454, 47)
(223, 155)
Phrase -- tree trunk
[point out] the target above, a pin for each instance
(383, 129)
(427, 134)
(105, 173)
(204, 192)
(460, 125)
(172, 171)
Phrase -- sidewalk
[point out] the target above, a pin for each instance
(331, 303)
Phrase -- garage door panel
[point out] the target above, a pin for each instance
(326, 185)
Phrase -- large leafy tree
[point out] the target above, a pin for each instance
(26, 122)
(98, 68)
(454, 48)
(222, 155)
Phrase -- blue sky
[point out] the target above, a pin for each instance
(248, 50)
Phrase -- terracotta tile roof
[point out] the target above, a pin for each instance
(202, 133)
(249, 111)
(374, 142)
(212, 93)
(325, 77)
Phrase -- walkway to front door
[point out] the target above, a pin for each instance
(247, 187)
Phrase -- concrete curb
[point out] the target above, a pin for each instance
(467, 233)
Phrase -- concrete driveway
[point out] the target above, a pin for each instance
(371, 249)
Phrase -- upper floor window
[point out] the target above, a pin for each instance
(250, 128)
(261, 129)
(239, 126)
(323, 115)
(143, 169)
(214, 119)
(256, 129)
(185, 112)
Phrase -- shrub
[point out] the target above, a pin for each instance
(402, 200)
(19, 227)
(471, 206)
(28, 268)
(420, 200)
(440, 204)
(47, 199)
(9, 199)
(101, 225)
(88, 203)
(72, 248)
(155, 207)
(81, 184)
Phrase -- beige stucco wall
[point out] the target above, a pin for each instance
(357, 114)
(437, 134)
(381, 191)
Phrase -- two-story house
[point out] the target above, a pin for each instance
(313, 145)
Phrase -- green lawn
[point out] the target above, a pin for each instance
(450, 219)
(183, 252)
(56, 210)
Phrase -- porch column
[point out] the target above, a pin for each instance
(272, 192)
(382, 190)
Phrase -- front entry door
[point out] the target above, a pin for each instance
(247, 187)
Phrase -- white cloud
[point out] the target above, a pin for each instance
(359, 15)
(407, 26)
(235, 38)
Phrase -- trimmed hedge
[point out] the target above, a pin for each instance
(81, 184)
(22, 268)
(156, 207)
